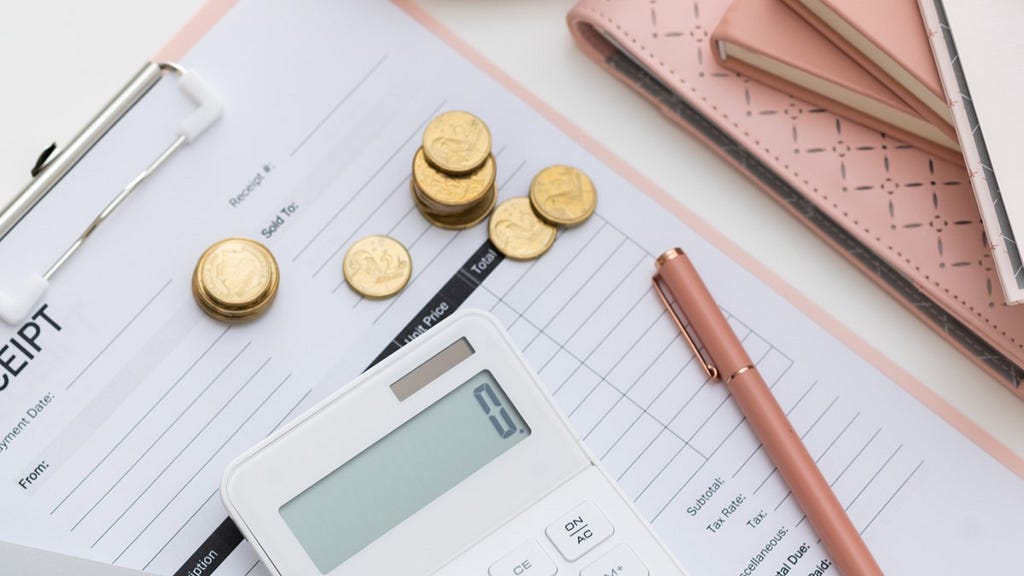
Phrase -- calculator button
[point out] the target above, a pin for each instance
(579, 531)
(621, 561)
(527, 560)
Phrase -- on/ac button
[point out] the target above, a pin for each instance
(528, 559)
(579, 531)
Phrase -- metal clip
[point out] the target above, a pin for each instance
(709, 368)
(15, 305)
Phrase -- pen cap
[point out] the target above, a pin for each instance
(701, 314)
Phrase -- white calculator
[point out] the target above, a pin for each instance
(449, 458)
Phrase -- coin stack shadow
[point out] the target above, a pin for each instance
(453, 173)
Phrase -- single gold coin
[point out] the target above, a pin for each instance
(456, 142)
(235, 279)
(377, 266)
(563, 195)
(517, 232)
(452, 194)
(471, 217)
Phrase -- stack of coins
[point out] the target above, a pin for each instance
(235, 280)
(453, 172)
(524, 228)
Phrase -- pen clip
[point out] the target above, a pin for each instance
(709, 368)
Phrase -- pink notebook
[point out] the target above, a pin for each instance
(887, 38)
(904, 217)
(769, 42)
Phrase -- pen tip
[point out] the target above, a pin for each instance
(668, 255)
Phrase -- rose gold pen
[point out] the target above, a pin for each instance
(720, 352)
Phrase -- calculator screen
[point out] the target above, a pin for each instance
(404, 471)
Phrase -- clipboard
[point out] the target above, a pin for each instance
(225, 538)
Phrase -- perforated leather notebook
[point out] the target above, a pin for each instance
(904, 217)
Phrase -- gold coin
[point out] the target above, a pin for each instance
(517, 232)
(451, 194)
(237, 273)
(456, 142)
(563, 195)
(473, 216)
(235, 279)
(377, 266)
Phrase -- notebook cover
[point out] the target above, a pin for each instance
(905, 42)
(975, 141)
(770, 29)
(905, 218)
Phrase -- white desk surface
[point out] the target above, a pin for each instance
(64, 59)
